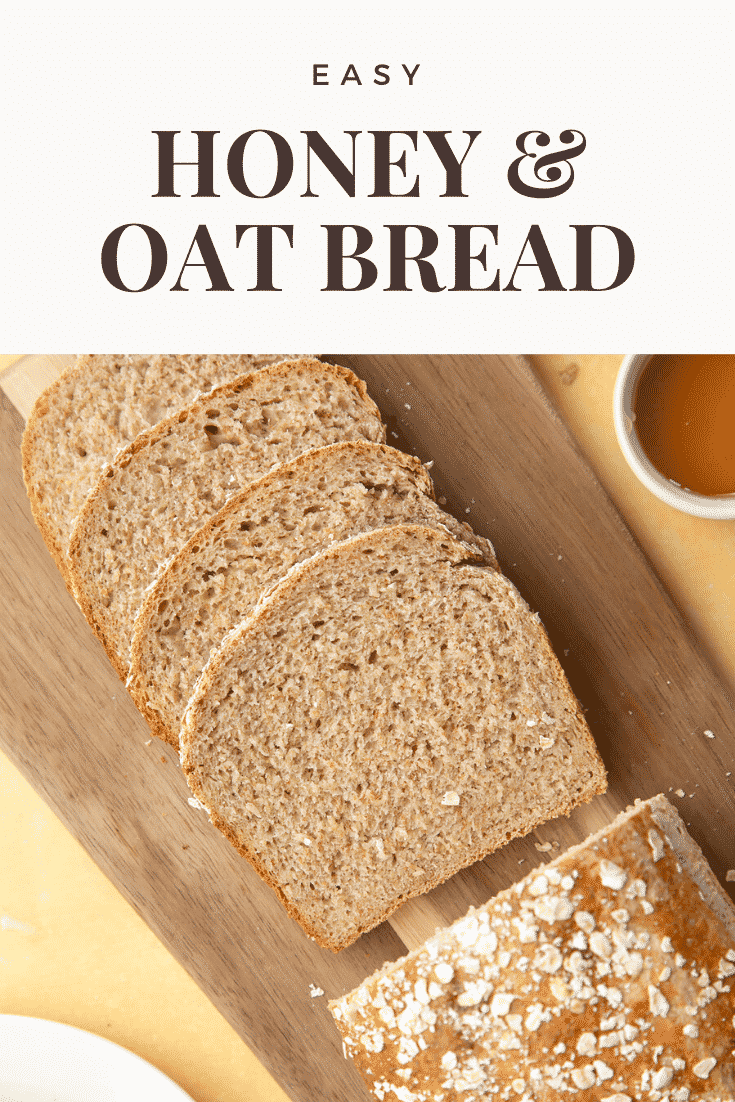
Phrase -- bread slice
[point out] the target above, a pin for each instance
(95, 408)
(391, 712)
(607, 974)
(173, 477)
(215, 581)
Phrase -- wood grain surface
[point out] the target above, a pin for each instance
(503, 461)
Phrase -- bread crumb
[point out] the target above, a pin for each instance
(315, 991)
(542, 847)
(709, 734)
(730, 876)
(149, 741)
(680, 793)
(406, 405)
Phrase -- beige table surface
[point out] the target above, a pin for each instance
(72, 950)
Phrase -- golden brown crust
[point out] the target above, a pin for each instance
(156, 725)
(79, 593)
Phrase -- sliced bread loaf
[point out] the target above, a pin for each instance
(606, 974)
(391, 712)
(94, 409)
(216, 580)
(173, 477)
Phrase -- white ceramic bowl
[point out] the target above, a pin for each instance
(721, 507)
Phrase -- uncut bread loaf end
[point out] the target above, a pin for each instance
(172, 478)
(391, 712)
(215, 581)
(606, 975)
(93, 410)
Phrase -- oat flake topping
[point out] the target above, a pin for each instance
(604, 976)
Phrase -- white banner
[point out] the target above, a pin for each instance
(477, 182)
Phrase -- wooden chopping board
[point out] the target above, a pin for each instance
(503, 461)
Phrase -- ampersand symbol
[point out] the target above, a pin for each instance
(545, 168)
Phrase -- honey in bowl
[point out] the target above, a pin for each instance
(685, 420)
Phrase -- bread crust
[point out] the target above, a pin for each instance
(299, 577)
